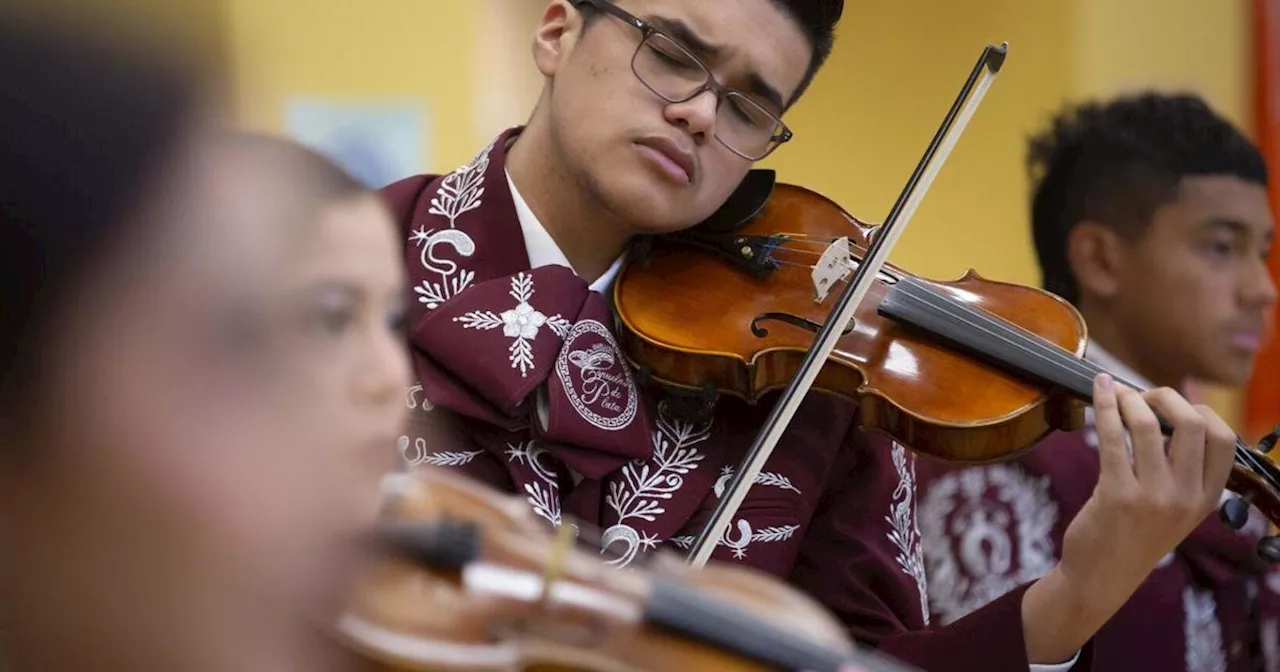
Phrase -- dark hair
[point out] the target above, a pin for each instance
(817, 20)
(85, 125)
(1117, 163)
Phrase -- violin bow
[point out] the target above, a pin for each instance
(866, 273)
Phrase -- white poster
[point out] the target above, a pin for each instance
(378, 142)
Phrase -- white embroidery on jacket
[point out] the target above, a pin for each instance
(521, 323)
(411, 398)
(902, 519)
(955, 512)
(744, 538)
(543, 496)
(598, 386)
(416, 453)
(1202, 632)
(460, 192)
(641, 486)
(769, 478)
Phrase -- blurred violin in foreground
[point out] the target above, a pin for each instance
(470, 579)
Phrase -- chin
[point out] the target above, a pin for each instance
(1234, 370)
(652, 207)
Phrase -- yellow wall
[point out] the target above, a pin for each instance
(894, 73)
(379, 50)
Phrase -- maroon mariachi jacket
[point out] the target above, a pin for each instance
(990, 528)
(522, 386)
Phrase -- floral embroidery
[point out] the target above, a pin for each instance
(988, 515)
(544, 496)
(642, 486)
(521, 323)
(902, 519)
(460, 192)
(1202, 632)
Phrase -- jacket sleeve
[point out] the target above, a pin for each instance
(862, 560)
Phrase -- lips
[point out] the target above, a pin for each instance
(677, 161)
(1247, 340)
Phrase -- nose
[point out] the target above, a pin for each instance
(385, 375)
(696, 115)
(1261, 287)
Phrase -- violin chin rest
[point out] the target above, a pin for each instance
(744, 203)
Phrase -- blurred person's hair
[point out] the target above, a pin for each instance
(1117, 162)
(86, 126)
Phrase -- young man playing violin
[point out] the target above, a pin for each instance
(1150, 214)
(653, 112)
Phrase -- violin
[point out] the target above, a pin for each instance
(469, 579)
(968, 371)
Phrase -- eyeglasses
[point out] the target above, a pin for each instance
(673, 73)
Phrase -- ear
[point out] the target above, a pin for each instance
(558, 31)
(1096, 256)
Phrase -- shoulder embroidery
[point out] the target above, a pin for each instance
(520, 323)
(545, 495)
(638, 492)
(460, 192)
(974, 510)
(904, 531)
(1202, 632)
(769, 478)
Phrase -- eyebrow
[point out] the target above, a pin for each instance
(681, 32)
(1238, 227)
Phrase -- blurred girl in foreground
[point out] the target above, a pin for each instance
(171, 495)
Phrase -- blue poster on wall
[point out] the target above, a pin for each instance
(378, 142)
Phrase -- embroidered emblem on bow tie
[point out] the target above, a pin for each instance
(595, 379)
(520, 323)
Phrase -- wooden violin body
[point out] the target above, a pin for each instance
(968, 371)
(690, 320)
(526, 599)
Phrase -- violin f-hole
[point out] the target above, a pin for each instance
(760, 332)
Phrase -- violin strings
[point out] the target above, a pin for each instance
(1082, 368)
(851, 263)
(1085, 369)
(1069, 363)
(1029, 344)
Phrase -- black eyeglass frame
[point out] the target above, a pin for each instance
(711, 84)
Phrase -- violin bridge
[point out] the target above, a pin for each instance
(831, 268)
